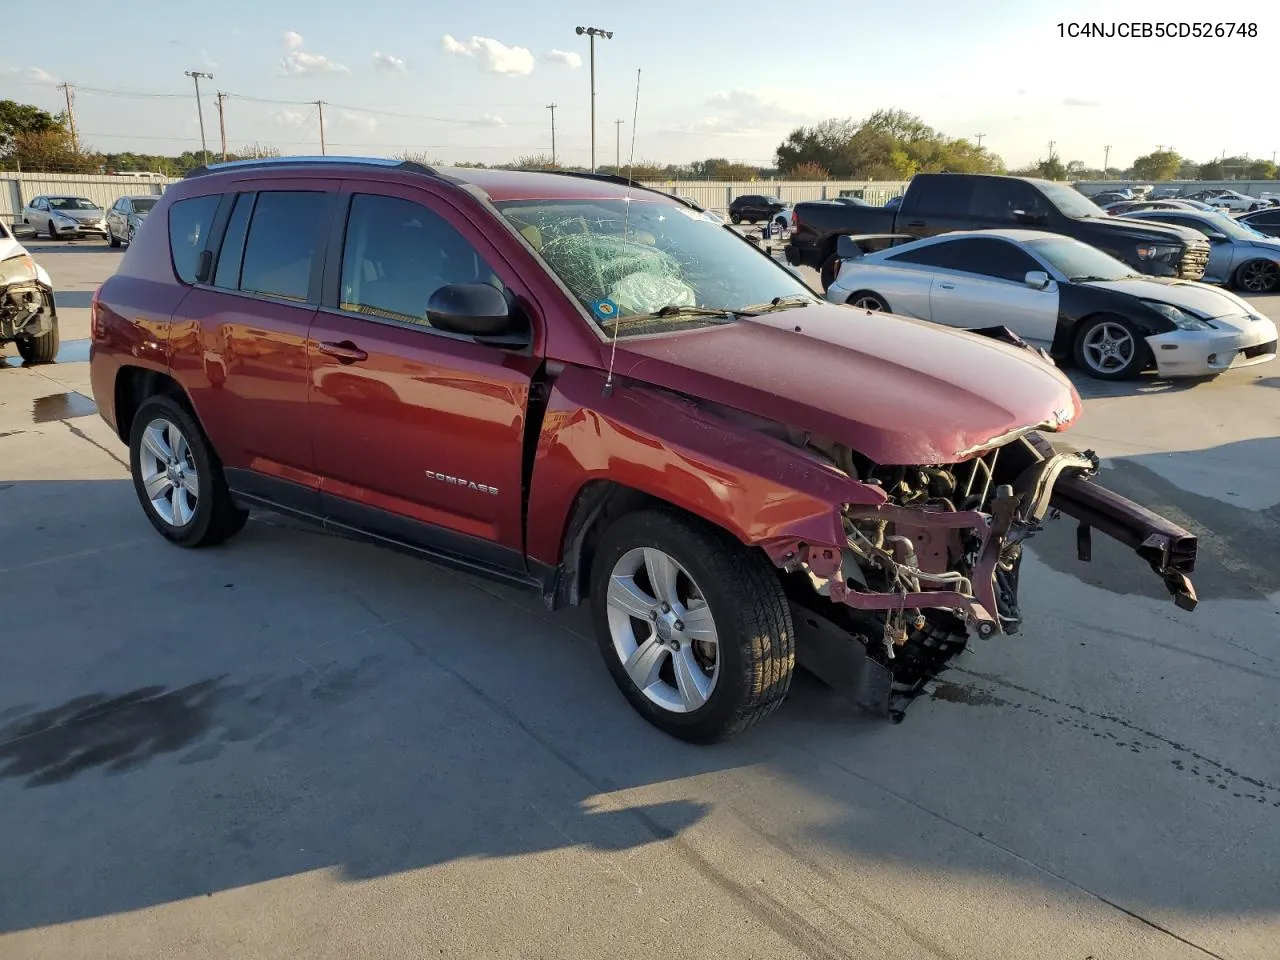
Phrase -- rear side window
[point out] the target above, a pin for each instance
(189, 223)
(231, 256)
(944, 195)
(939, 255)
(999, 199)
(285, 232)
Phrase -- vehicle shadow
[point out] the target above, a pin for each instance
(176, 724)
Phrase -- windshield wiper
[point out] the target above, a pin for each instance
(777, 303)
(671, 310)
(1089, 279)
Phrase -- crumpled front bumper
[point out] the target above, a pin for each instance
(1200, 353)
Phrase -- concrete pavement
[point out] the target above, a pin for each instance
(294, 745)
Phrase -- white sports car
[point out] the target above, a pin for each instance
(1064, 296)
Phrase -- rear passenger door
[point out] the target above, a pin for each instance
(418, 433)
(936, 204)
(240, 337)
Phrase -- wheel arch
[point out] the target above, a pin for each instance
(133, 385)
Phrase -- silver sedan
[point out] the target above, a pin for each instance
(1239, 256)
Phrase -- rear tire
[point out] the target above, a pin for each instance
(866, 300)
(41, 349)
(743, 607)
(735, 217)
(1256, 276)
(166, 446)
(827, 272)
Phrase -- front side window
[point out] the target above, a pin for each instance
(284, 234)
(397, 253)
(189, 223)
(633, 258)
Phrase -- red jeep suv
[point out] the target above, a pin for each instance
(595, 390)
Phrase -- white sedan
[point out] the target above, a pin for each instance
(1057, 293)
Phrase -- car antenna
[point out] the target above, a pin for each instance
(626, 223)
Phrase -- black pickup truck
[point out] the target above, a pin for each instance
(940, 202)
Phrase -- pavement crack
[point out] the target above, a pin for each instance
(76, 431)
(983, 838)
(1224, 770)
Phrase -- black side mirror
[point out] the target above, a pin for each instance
(474, 310)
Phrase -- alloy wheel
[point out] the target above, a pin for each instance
(662, 630)
(169, 472)
(1108, 348)
(1259, 276)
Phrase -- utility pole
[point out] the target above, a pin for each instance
(617, 129)
(320, 108)
(979, 137)
(592, 33)
(196, 75)
(552, 108)
(222, 123)
(1052, 144)
(1106, 160)
(71, 116)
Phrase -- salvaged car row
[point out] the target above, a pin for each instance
(597, 391)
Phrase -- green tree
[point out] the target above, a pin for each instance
(1159, 165)
(21, 118)
(1210, 171)
(1261, 170)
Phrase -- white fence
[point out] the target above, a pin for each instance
(18, 188)
(1250, 188)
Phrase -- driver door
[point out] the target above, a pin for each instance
(985, 286)
(418, 433)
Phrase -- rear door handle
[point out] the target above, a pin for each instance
(915, 223)
(946, 286)
(344, 351)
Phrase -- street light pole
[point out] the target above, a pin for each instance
(196, 75)
(592, 33)
(1106, 160)
(617, 163)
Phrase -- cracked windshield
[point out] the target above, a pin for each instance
(640, 265)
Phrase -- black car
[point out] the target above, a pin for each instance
(754, 207)
(1266, 220)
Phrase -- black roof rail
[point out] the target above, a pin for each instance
(267, 163)
(614, 178)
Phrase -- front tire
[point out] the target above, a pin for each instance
(41, 349)
(694, 627)
(178, 477)
(1257, 276)
(1109, 347)
(112, 239)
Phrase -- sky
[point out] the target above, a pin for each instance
(472, 81)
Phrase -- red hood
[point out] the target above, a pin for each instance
(898, 391)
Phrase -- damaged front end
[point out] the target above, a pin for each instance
(938, 562)
(26, 304)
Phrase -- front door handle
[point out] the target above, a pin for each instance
(344, 351)
(916, 223)
(946, 286)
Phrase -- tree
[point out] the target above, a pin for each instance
(888, 145)
(1210, 171)
(1158, 165)
(21, 118)
(809, 171)
(535, 161)
(1260, 170)
(51, 151)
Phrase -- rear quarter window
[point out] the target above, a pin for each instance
(189, 223)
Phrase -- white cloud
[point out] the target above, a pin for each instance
(292, 40)
(367, 124)
(564, 58)
(207, 63)
(299, 63)
(31, 74)
(1076, 102)
(386, 63)
(493, 121)
(742, 113)
(289, 118)
(492, 55)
